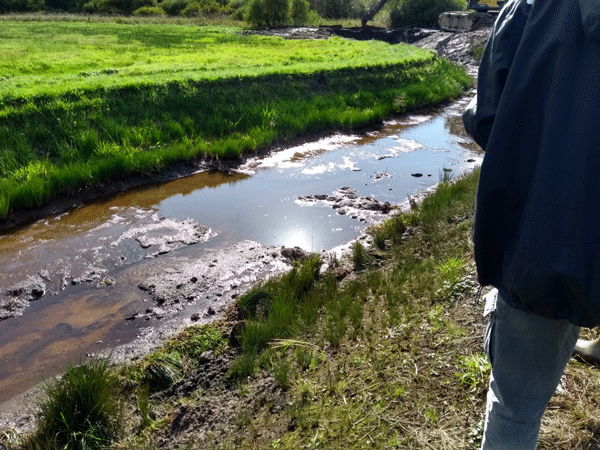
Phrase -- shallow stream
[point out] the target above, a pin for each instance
(85, 281)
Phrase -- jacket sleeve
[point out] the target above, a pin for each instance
(590, 18)
(493, 70)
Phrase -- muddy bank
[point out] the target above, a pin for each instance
(198, 289)
(145, 235)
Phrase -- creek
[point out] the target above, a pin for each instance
(90, 279)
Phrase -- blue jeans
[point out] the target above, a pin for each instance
(528, 354)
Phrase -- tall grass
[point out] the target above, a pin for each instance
(79, 411)
(275, 310)
(52, 145)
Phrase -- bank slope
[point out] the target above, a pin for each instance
(63, 128)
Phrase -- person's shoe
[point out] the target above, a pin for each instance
(588, 351)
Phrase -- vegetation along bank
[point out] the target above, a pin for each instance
(82, 104)
(380, 349)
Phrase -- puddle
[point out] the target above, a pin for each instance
(74, 279)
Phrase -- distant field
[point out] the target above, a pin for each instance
(85, 103)
(56, 57)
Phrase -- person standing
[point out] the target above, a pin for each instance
(536, 228)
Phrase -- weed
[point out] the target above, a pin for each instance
(446, 175)
(334, 330)
(163, 371)
(193, 341)
(281, 372)
(475, 372)
(255, 302)
(144, 408)
(242, 418)
(432, 415)
(242, 367)
(477, 50)
(390, 229)
(399, 391)
(451, 269)
(303, 357)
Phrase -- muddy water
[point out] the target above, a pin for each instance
(74, 279)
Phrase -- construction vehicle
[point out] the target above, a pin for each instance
(453, 20)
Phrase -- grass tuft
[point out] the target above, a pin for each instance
(78, 410)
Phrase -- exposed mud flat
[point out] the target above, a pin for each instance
(345, 201)
(98, 251)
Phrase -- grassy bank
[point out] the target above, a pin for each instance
(82, 104)
(382, 350)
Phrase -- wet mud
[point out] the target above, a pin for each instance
(89, 256)
(345, 202)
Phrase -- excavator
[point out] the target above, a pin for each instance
(451, 20)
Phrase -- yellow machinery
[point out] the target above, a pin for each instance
(485, 5)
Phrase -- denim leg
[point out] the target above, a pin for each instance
(528, 354)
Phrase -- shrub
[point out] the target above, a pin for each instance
(208, 9)
(334, 9)
(268, 13)
(7, 6)
(150, 11)
(116, 6)
(422, 13)
(255, 16)
(299, 10)
(174, 7)
(192, 9)
(64, 5)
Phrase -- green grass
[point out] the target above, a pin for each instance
(138, 97)
(79, 410)
(50, 58)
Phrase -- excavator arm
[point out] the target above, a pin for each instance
(371, 13)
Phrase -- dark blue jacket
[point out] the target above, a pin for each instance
(537, 116)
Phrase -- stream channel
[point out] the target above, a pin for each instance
(122, 274)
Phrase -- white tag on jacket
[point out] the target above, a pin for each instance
(490, 302)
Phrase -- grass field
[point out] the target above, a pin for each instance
(50, 58)
(83, 103)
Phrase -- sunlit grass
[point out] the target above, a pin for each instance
(56, 57)
(83, 103)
